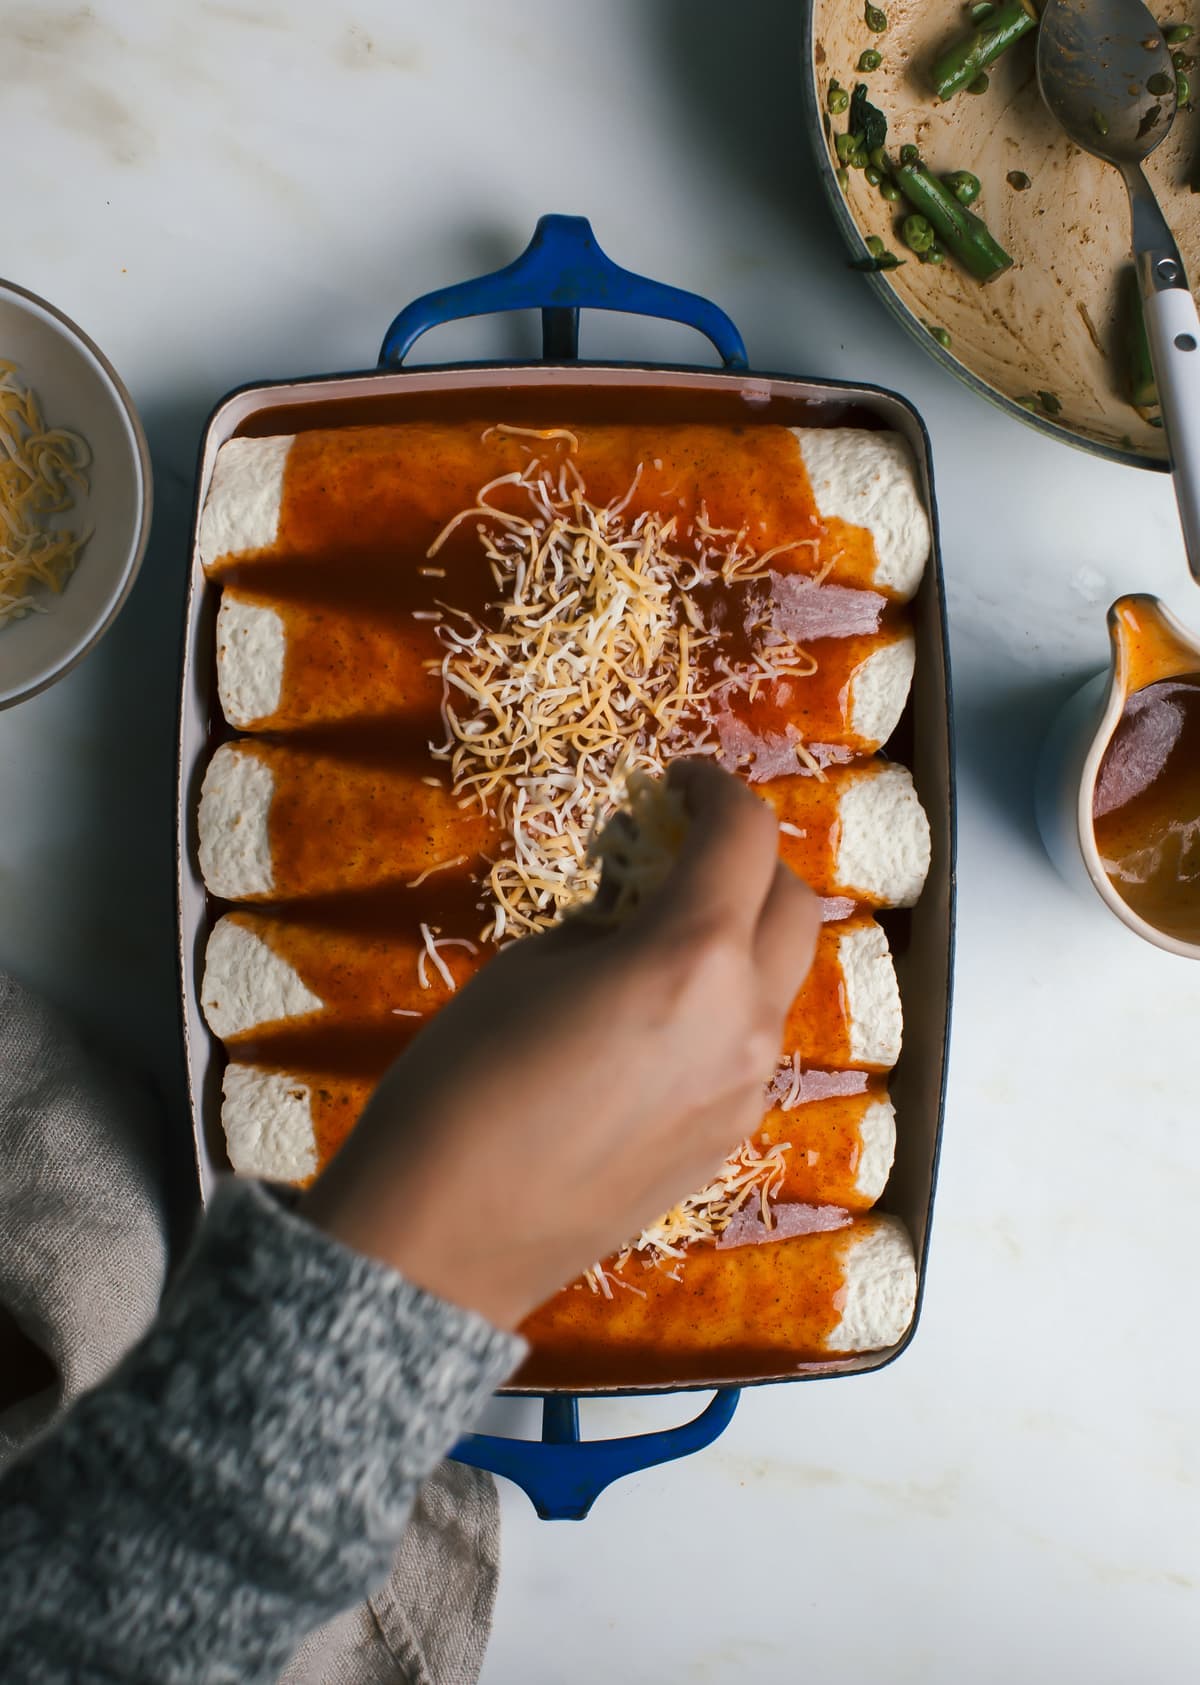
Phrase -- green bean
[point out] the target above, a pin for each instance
(843, 177)
(1139, 370)
(969, 55)
(917, 233)
(981, 84)
(837, 100)
(876, 20)
(875, 245)
(1183, 90)
(1159, 83)
(967, 236)
(942, 337)
(964, 186)
(1100, 122)
(934, 255)
(1049, 403)
(1181, 61)
(879, 158)
(873, 176)
(869, 60)
(1178, 34)
(845, 146)
(889, 191)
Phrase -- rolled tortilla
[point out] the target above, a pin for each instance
(763, 1308)
(838, 501)
(285, 1126)
(853, 701)
(848, 1010)
(278, 823)
(860, 831)
(874, 696)
(869, 480)
(262, 972)
(284, 666)
(839, 1148)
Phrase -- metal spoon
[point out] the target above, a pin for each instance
(1096, 62)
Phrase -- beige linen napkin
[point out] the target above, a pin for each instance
(83, 1249)
(429, 1624)
(83, 1257)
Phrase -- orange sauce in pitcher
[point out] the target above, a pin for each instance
(1146, 806)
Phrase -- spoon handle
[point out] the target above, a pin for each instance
(1173, 329)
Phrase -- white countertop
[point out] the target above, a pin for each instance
(223, 192)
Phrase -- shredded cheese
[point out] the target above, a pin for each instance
(438, 866)
(636, 848)
(592, 663)
(805, 756)
(507, 430)
(750, 1173)
(41, 471)
(431, 954)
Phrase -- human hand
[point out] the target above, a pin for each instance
(587, 1079)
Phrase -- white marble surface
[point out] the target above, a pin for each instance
(221, 192)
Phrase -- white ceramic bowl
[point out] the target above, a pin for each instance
(79, 389)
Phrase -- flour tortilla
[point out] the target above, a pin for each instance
(268, 1122)
(245, 495)
(881, 837)
(386, 823)
(870, 480)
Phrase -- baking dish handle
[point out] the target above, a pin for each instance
(563, 1475)
(560, 272)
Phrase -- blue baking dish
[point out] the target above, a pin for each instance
(562, 272)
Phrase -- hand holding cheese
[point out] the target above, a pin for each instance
(565, 1096)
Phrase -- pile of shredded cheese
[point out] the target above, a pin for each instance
(41, 471)
(750, 1173)
(589, 666)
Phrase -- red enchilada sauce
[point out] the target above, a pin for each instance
(347, 574)
(694, 1327)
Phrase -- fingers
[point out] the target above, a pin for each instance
(726, 866)
(786, 937)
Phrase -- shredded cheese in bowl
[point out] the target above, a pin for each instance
(42, 470)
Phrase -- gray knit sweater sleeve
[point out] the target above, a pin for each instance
(248, 1469)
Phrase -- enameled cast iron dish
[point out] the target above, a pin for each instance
(563, 270)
